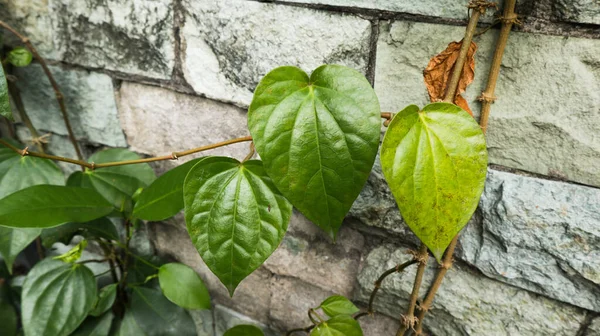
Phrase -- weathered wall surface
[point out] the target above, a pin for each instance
(164, 75)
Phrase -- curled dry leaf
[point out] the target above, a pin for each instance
(439, 70)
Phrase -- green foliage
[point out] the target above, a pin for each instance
(13, 241)
(318, 137)
(244, 330)
(4, 100)
(182, 286)
(19, 57)
(73, 254)
(155, 315)
(8, 314)
(164, 197)
(44, 206)
(106, 298)
(338, 305)
(97, 228)
(235, 216)
(341, 325)
(435, 162)
(57, 297)
(115, 184)
(96, 326)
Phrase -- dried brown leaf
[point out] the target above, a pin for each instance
(439, 70)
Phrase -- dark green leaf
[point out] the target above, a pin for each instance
(96, 326)
(341, 325)
(318, 137)
(338, 305)
(45, 206)
(116, 184)
(156, 315)
(57, 297)
(106, 298)
(435, 162)
(129, 326)
(8, 315)
(235, 216)
(4, 101)
(244, 330)
(183, 286)
(19, 57)
(164, 197)
(13, 241)
(101, 227)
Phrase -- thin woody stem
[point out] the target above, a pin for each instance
(92, 165)
(408, 320)
(16, 95)
(59, 96)
(487, 96)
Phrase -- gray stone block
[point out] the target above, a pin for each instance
(582, 11)
(229, 45)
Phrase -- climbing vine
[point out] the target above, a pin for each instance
(318, 136)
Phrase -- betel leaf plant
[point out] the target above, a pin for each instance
(318, 137)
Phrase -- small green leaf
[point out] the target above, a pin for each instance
(98, 228)
(106, 298)
(338, 305)
(182, 286)
(156, 315)
(44, 206)
(13, 241)
(129, 326)
(164, 197)
(4, 101)
(116, 184)
(341, 325)
(57, 297)
(318, 137)
(95, 326)
(73, 254)
(235, 216)
(244, 330)
(435, 162)
(19, 57)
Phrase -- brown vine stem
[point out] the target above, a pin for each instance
(16, 95)
(487, 96)
(59, 96)
(408, 320)
(396, 269)
(509, 18)
(172, 156)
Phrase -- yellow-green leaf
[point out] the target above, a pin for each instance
(435, 161)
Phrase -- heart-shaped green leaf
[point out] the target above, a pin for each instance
(244, 330)
(235, 216)
(44, 206)
(435, 162)
(156, 315)
(13, 241)
(105, 300)
(116, 184)
(57, 297)
(4, 101)
(182, 286)
(318, 137)
(341, 325)
(338, 305)
(164, 197)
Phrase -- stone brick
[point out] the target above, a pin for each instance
(229, 45)
(204, 322)
(318, 261)
(131, 36)
(467, 304)
(582, 11)
(158, 121)
(545, 118)
(379, 325)
(539, 235)
(89, 98)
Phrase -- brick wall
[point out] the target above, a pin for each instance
(164, 75)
